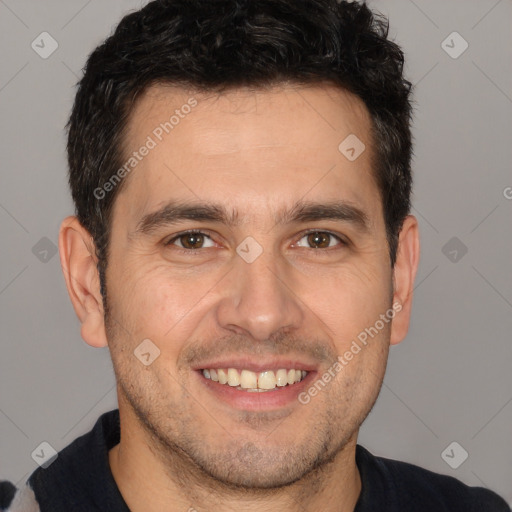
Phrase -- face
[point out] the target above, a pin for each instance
(246, 244)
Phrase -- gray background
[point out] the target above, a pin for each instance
(450, 380)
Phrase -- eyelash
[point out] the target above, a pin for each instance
(302, 235)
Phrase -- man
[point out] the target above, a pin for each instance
(243, 245)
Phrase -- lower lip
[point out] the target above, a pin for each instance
(257, 401)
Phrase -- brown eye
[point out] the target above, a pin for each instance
(320, 240)
(190, 240)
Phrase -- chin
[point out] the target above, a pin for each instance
(256, 478)
(251, 467)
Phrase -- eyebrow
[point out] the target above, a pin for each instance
(175, 212)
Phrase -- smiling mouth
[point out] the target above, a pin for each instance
(255, 382)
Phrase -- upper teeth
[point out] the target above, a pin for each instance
(252, 381)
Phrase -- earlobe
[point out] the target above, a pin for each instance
(93, 325)
(78, 262)
(406, 265)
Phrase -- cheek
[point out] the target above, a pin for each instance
(162, 305)
(349, 300)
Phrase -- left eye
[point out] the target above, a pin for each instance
(319, 239)
(191, 240)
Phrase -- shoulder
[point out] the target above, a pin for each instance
(412, 487)
(80, 469)
(17, 500)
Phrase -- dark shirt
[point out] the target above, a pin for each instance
(80, 480)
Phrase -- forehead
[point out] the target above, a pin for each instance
(248, 147)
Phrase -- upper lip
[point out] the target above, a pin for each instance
(249, 363)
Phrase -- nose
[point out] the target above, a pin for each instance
(258, 299)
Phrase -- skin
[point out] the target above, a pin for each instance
(257, 152)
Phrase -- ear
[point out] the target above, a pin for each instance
(406, 265)
(78, 261)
